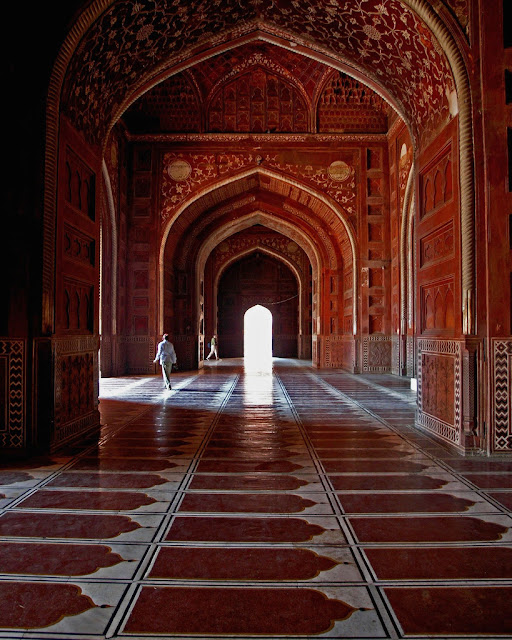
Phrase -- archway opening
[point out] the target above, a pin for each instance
(257, 337)
(254, 279)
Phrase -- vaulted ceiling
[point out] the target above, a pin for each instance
(283, 45)
(258, 88)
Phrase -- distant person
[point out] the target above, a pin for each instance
(213, 348)
(167, 357)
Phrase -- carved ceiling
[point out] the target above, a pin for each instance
(258, 88)
(131, 44)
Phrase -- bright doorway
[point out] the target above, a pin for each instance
(257, 337)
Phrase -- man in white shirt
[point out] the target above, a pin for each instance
(167, 357)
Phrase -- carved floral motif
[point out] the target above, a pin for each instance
(241, 243)
(383, 37)
(439, 366)
(343, 192)
(208, 168)
(77, 381)
(460, 8)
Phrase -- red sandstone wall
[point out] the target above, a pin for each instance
(374, 236)
(495, 221)
(75, 340)
(438, 301)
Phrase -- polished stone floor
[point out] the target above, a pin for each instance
(256, 503)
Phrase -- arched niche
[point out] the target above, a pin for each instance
(259, 277)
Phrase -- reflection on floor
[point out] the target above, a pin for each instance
(287, 502)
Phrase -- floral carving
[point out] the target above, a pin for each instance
(241, 243)
(344, 192)
(208, 168)
(438, 393)
(205, 168)
(129, 41)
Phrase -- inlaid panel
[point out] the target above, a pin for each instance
(502, 409)
(440, 388)
(12, 393)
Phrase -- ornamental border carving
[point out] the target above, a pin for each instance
(14, 353)
(502, 394)
(410, 356)
(78, 344)
(258, 137)
(395, 354)
(445, 431)
(367, 367)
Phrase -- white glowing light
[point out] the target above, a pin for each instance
(258, 338)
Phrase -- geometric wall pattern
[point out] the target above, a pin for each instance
(12, 393)
(502, 395)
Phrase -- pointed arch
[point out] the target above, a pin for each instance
(421, 8)
(336, 209)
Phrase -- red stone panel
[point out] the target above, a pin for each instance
(54, 559)
(29, 605)
(238, 564)
(237, 529)
(346, 105)
(431, 610)
(437, 245)
(237, 611)
(258, 102)
(438, 388)
(426, 529)
(437, 307)
(454, 563)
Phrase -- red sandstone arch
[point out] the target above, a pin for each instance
(300, 277)
(144, 81)
(346, 240)
(244, 223)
